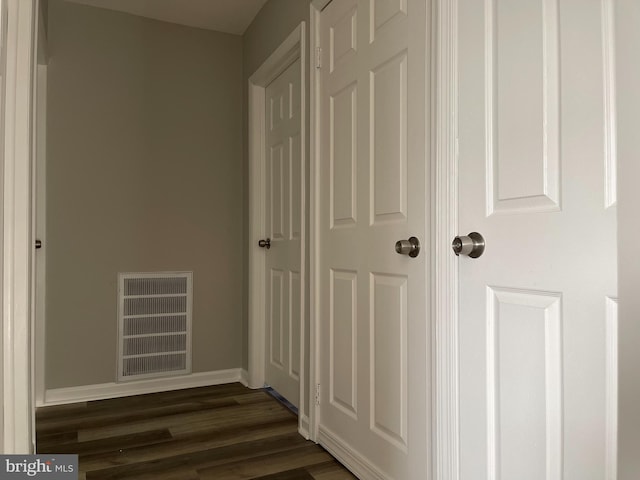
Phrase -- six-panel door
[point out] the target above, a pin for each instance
(537, 180)
(284, 219)
(374, 191)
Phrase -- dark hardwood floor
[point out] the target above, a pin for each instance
(221, 432)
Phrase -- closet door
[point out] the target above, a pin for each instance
(374, 329)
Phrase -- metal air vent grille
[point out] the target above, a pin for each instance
(154, 324)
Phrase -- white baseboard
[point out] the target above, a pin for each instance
(351, 459)
(86, 393)
(244, 377)
(303, 426)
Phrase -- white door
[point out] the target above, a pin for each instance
(374, 340)
(536, 179)
(284, 221)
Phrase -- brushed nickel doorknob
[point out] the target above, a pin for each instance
(409, 247)
(471, 245)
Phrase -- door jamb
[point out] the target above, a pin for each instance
(40, 207)
(315, 8)
(17, 238)
(291, 49)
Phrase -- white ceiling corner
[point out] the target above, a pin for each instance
(229, 16)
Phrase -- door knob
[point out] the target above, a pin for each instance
(471, 245)
(409, 247)
(265, 243)
(38, 243)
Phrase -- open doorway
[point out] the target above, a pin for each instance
(278, 252)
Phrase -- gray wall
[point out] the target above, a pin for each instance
(273, 24)
(144, 173)
(628, 82)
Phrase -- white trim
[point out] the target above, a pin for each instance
(42, 53)
(446, 415)
(293, 47)
(256, 228)
(609, 86)
(304, 274)
(611, 389)
(319, 5)
(303, 426)
(40, 208)
(244, 377)
(350, 458)
(314, 218)
(17, 240)
(87, 393)
(38, 220)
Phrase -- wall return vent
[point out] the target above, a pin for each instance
(154, 324)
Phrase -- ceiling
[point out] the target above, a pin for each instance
(230, 16)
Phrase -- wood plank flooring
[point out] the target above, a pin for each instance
(224, 432)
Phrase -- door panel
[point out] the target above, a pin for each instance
(374, 347)
(533, 320)
(343, 363)
(524, 370)
(277, 320)
(276, 190)
(343, 156)
(522, 130)
(388, 136)
(388, 357)
(284, 225)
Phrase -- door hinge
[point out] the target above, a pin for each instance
(318, 394)
(318, 57)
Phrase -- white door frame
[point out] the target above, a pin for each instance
(444, 277)
(314, 217)
(39, 212)
(17, 238)
(39, 225)
(291, 49)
